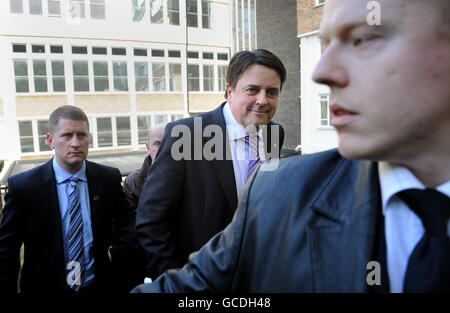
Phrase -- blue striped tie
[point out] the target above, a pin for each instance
(253, 159)
(75, 235)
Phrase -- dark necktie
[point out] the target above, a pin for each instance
(429, 264)
(75, 235)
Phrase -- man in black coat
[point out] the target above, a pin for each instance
(39, 212)
(192, 188)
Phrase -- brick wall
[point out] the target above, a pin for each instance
(277, 32)
(309, 16)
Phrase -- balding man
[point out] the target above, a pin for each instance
(132, 185)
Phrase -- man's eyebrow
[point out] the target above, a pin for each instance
(346, 28)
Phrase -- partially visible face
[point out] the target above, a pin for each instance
(254, 99)
(154, 141)
(390, 83)
(70, 139)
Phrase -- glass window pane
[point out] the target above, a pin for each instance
(104, 132)
(20, 68)
(98, 9)
(173, 12)
(208, 77)
(36, 7)
(222, 77)
(158, 70)
(118, 51)
(120, 76)
(25, 128)
(27, 144)
(80, 68)
(161, 119)
(56, 49)
(141, 74)
(156, 11)
(42, 132)
(191, 7)
(99, 50)
(39, 67)
(54, 7)
(138, 9)
(16, 6)
(100, 68)
(175, 77)
(40, 84)
(101, 83)
(26, 136)
(20, 48)
(38, 48)
(193, 78)
(59, 84)
(58, 68)
(144, 124)
(123, 131)
(22, 84)
(81, 84)
(77, 9)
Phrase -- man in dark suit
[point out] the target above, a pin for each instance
(193, 186)
(374, 216)
(72, 217)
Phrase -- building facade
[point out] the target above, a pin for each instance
(129, 64)
(316, 132)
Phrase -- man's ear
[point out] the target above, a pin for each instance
(229, 90)
(50, 140)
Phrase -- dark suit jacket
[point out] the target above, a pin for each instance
(307, 227)
(132, 186)
(184, 203)
(32, 216)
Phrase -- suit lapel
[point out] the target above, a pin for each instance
(49, 212)
(224, 168)
(342, 238)
(95, 191)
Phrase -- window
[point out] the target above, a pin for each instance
(26, 136)
(80, 75)
(40, 76)
(193, 77)
(208, 55)
(123, 131)
(98, 9)
(222, 56)
(319, 2)
(54, 7)
(222, 77)
(144, 124)
(156, 11)
(104, 132)
(174, 54)
(42, 135)
(325, 114)
(119, 51)
(141, 76)
(21, 75)
(20, 48)
(206, 14)
(175, 77)
(38, 48)
(77, 9)
(101, 80)
(35, 7)
(79, 50)
(120, 76)
(191, 8)
(157, 53)
(140, 52)
(99, 50)
(160, 119)
(208, 77)
(56, 49)
(16, 6)
(173, 12)
(138, 7)
(159, 80)
(59, 83)
(192, 54)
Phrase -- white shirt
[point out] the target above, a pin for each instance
(403, 228)
(236, 136)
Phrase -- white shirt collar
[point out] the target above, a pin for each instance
(234, 128)
(395, 178)
(62, 175)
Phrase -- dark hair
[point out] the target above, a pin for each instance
(242, 60)
(68, 112)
